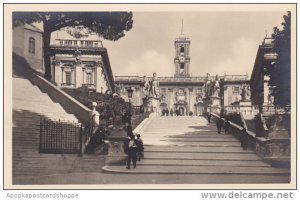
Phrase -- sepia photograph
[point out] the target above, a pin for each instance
(150, 96)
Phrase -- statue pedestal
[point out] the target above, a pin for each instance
(153, 104)
(246, 103)
(213, 104)
(246, 109)
(116, 145)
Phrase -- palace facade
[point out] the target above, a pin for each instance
(182, 92)
(77, 63)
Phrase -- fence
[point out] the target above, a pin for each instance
(253, 110)
(60, 137)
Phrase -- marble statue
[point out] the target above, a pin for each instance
(147, 86)
(207, 85)
(216, 89)
(246, 93)
(154, 86)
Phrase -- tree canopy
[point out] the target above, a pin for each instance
(280, 71)
(108, 25)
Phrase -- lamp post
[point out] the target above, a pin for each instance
(129, 91)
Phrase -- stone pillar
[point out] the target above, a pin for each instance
(95, 114)
(116, 147)
(78, 74)
(266, 90)
(153, 105)
(58, 73)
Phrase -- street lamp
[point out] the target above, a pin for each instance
(129, 91)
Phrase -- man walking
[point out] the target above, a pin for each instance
(140, 147)
(132, 151)
(219, 125)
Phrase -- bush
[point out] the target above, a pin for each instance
(191, 113)
(108, 106)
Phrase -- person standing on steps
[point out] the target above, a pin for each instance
(140, 147)
(171, 112)
(219, 125)
(208, 117)
(132, 152)
(244, 139)
(226, 126)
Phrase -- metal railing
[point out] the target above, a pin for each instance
(59, 137)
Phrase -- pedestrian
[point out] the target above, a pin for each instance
(167, 112)
(171, 112)
(226, 126)
(128, 129)
(132, 151)
(244, 139)
(208, 117)
(219, 125)
(140, 147)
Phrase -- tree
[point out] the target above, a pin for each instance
(109, 25)
(280, 71)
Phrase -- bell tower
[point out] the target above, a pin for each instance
(182, 55)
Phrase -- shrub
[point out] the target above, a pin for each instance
(108, 106)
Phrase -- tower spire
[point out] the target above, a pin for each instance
(181, 27)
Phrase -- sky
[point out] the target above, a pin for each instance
(221, 42)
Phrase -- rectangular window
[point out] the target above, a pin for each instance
(81, 43)
(68, 78)
(96, 44)
(75, 43)
(31, 47)
(89, 79)
(61, 43)
(236, 89)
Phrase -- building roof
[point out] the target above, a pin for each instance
(32, 27)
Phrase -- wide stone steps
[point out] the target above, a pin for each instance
(185, 162)
(179, 169)
(29, 106)
(47, 164)
(190, 145)
(194, 149)
(202, 156)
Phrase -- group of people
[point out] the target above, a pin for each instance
(135, 147)
(220, 123)
(166, 112)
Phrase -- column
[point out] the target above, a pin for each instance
(58, 72)
(78, 74)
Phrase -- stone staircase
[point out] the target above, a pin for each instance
(29, 105)
(189, 145)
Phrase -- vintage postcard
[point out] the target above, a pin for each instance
(150, 96)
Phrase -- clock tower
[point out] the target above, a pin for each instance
(182, 56)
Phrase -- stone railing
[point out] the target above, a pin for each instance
(70, 104)
(181, 79)
(235, 77)
(246, 110)
(275, 151)
(253, 110)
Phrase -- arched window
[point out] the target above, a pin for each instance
(181, 49)
(31, 48)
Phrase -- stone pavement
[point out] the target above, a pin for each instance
(189, 145)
